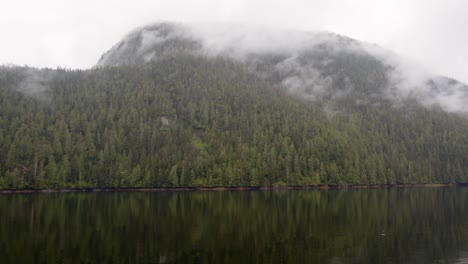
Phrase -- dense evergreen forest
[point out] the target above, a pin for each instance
(188, 121)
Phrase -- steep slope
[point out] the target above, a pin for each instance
(188, 117)
(193, 121)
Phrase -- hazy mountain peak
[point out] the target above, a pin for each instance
(238, 41)
(313, 65)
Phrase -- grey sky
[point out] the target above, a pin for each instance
(74, 34)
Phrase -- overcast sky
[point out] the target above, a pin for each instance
(74, 34)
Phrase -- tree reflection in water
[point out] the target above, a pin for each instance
(357, 226)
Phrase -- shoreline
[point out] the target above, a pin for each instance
(222, 189)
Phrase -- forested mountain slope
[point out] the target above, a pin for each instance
(317, 66)
(186, 118)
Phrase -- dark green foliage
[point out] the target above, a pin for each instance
(193, 121)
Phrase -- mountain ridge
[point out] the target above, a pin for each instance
(309, 64)
(322, 117)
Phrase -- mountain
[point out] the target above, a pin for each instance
(173, 105)
(317, 66)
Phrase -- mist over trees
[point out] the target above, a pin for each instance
(313, 65)
(186, 121)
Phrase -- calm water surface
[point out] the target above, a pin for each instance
(425, 225)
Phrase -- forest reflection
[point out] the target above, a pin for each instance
(421, 225)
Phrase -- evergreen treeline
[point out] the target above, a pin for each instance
(194, 121)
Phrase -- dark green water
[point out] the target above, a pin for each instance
(425, 225)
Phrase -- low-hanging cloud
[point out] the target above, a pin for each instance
(36, 83)
(409, 79)
(313, 65)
